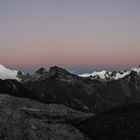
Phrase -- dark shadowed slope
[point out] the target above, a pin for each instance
(14, 88)
(119, 123)
(118, 92)
(62, 87)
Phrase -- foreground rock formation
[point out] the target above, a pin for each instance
(25, 119)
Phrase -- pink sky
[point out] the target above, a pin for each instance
(76, 34)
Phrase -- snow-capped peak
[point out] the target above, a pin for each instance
(136, 69)
(114, 75)
(101, 74)
(6, 73)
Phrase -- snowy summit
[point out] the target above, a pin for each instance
(114, 75)
(6, 73)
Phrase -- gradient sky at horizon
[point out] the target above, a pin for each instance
(79, 35)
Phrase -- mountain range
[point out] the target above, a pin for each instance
(56, 104)
(113, 75)
(6, 73)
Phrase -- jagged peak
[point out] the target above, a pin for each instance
(133, 73)
(41, 71)
(56, 69)
(114, 75)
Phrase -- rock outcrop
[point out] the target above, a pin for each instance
(25, 119)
